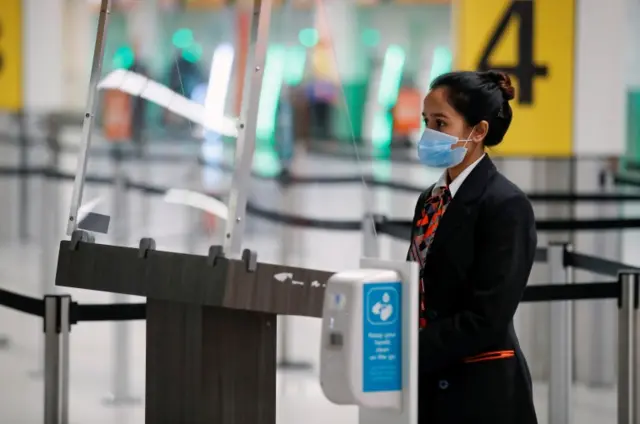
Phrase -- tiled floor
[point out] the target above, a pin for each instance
(28, 268)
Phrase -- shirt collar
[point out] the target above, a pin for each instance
(457, 183)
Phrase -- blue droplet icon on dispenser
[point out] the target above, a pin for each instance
(382, 305)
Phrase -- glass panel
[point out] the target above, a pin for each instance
(167, 102)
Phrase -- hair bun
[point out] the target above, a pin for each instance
(503, 82)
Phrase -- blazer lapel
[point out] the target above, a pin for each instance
(463, 202)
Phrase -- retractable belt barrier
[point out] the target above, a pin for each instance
(399, 229)
(285, 177)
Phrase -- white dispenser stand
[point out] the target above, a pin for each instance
(369, 347)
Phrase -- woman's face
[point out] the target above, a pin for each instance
(439, 115)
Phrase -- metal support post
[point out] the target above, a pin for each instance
(370, 248)
(246, 144)
(194, 225)
(49, 231)
(288, 246)
(613, 246)
(121, 369)
(90, 111)
(635, 375)
(49, 221)
(602, 325)
(56, 360)
(628, 407)
(23, 200)
(561, 336)
(285, 143)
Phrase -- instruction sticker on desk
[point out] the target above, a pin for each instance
(382, 337)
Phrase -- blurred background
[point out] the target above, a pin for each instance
(341, 97)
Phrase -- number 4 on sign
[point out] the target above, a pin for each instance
(526, 70)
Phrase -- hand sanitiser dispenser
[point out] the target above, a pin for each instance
(361, 353)
(369, 341)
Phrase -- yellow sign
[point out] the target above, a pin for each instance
(204, 4)
(423, 2)
(533, 41)
(11, 55)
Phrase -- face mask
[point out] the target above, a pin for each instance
(434, 149)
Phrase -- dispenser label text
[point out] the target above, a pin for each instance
(382, 337)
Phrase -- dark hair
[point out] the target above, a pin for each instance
(479, 96)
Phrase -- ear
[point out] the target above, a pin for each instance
(480, 131)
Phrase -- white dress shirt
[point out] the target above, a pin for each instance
(457, 183)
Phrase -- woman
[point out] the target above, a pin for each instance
(474, 237)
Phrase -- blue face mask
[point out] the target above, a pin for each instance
(434, 149)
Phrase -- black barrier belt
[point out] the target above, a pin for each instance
(583, 197)
(627, 180)
(579, 291)
(108, 312)
(632, 165)
(52, 174)
(594, 264)
(137, 311)
(301, 221)
(400, 229)
(400, 155)
(19, 302)
(147, 188)
(287, 178)
(587, 224)
(394, 155)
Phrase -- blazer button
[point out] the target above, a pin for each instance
(443, 384)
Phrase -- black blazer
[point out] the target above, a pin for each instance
(475, 272)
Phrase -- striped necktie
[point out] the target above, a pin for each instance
(424, 232)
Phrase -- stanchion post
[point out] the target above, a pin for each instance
(628, 409)
(607, 244)
(612, 246)
(23, 201)
(370, 248)
(51, 361)
(56, 359)
(121, 369)
(288, 245)
(635, 282)
(49, 226)
(561, 352)
(65, 330)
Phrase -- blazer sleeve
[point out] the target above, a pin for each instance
(502, 264)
